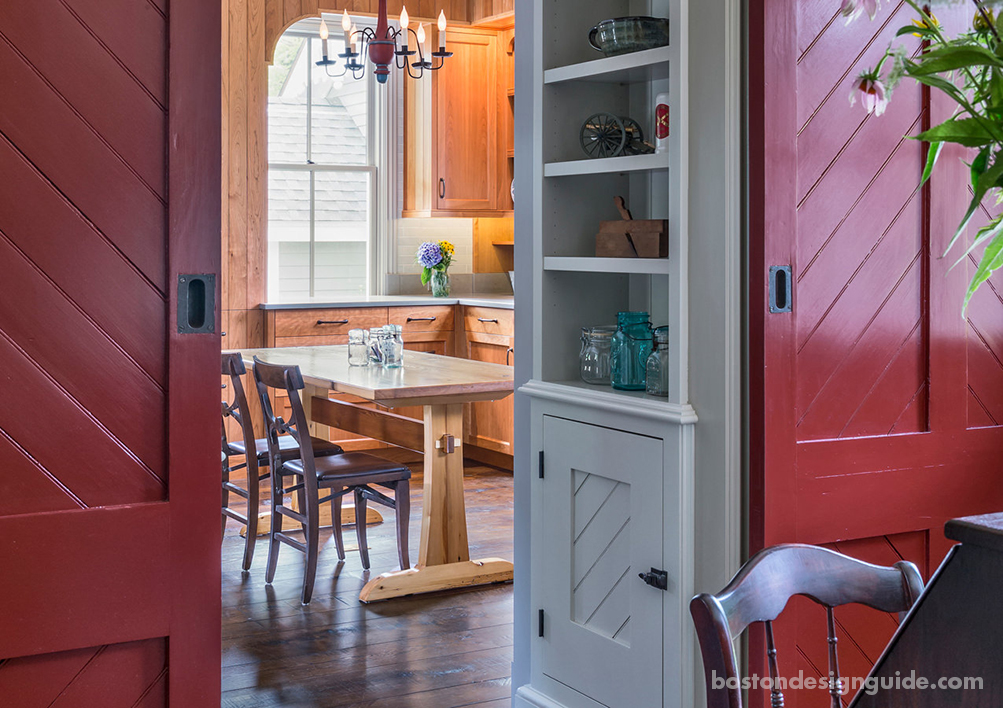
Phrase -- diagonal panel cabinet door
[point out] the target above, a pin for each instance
(603, 525)
(109, 487)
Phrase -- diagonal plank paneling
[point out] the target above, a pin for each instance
(601, 555)
(123, 112)
(128, 675)
(861, 359)
(45, 129)
(985, 342)
(83, 228)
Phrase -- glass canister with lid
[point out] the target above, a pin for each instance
(632, 343)
(656, 381)
(594, 357)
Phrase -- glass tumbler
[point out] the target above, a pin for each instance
(358, 347)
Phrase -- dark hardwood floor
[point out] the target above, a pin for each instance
(435, 651)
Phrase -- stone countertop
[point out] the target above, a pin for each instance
(505, 302)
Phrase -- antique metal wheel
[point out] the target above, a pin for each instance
(603, 135)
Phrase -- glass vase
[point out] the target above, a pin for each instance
(440, 283)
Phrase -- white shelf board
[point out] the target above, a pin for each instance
(647, 65)
(609, 400)
(606, 165)
(587, 264)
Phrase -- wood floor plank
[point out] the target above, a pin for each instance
(446, 650)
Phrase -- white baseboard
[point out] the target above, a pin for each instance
(529, 697)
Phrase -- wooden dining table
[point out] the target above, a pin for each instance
(441, 385)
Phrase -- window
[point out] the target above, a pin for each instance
(322, 174)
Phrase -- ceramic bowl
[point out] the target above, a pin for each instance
(622, 35)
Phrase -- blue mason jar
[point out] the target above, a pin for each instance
(632, 344)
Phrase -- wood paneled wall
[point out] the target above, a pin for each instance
(479, 10)
(245, 163)
(251, 29)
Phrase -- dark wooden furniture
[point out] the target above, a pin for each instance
(761, 590)
(240, 411)
(955, 632)
(347, 473)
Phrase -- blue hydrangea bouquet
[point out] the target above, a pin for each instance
(435, 257)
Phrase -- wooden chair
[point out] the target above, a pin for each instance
(239, 410)
(348, 473)
(759, 593)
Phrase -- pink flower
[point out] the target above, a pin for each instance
(851, 9)
(875, 97)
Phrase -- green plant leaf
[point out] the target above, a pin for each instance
(426, 275)
(964, 131)
(986, 233)
(954, 57)
(932, 153)
(986, 181)
(979, 164)
(939, 83)
(915, 29)
(991, 261)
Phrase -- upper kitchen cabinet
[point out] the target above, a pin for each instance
(456, 143)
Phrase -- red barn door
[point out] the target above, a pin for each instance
(876, 409)
(109, 530)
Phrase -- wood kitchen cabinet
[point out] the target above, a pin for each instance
(455, 150)
(489, 336)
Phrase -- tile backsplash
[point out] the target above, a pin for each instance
(412, 232)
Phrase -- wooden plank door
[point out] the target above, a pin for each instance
(876, 408)
(109, 487)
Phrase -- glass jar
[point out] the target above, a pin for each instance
(594, 357)
(358, 347)
(375, 348)
(393, 347)
(656, 380)
(629, 351)
(386, 346)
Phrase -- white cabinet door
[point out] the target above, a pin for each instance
(602, 510)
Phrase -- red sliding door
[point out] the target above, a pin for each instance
(876, 409)
(109, 530)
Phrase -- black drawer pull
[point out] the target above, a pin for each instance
(421, 319)
(487, 319)
(331, 322)
(442, 188)
(508, 353)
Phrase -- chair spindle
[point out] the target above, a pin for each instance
(776, 695)
(835, 682)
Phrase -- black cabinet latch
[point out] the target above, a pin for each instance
(656, 578)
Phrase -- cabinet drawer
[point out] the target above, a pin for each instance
(423, 319)
(314, 323)
(489, 320)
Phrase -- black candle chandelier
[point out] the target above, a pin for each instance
(380, 47)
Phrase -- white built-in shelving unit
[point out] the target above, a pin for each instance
(612, 475)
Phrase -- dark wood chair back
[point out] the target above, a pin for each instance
(289, 379)
(761, 590)
(239, 409)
